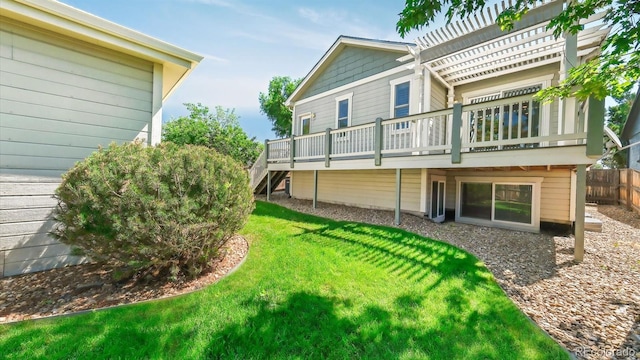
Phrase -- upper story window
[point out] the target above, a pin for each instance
(401, 100)
(343, 110)
(401, 103)
(305, 124)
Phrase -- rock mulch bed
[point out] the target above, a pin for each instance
(592, 308)
(90, 286)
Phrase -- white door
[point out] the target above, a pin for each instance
(438, 190)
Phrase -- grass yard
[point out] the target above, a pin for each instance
(311, 288)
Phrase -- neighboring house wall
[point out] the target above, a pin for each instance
(369, 101)
(631, 134)
(634, 151)
(352, 64)
(364, 188)
(59, 100)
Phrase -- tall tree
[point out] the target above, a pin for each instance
(613, 73)
(616, 118)
(272, 104)
(219, 130)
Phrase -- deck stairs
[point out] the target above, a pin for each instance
(258, 176)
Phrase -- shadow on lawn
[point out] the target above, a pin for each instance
(521, 260)
(308, 326)
(395, 250)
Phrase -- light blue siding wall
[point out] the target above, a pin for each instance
(634, 151)
(370, 100)
(353, 64)
(59, 100)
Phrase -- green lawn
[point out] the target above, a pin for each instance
(311, 288)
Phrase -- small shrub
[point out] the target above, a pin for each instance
(165, 209)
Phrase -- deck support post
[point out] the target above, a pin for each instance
(327, 148)
(315, 189)
(398, 195)
(292, 151)
(456, 139)
(268, 185)
(595, 122)
(377, 142)
(581, 194)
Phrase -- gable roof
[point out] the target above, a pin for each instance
(69, 21)
(338, 46)
(633, 120)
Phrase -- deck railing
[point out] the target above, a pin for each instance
(511, 123)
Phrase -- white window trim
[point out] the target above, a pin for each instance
(392, 100)
(535, 182)
(307, 115)
(349, 97)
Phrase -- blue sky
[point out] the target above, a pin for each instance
(246, 43)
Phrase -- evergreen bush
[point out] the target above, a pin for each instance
(166, 210)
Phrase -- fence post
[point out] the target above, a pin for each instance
(377, 142)
(327, 147)
(292, 151)
(616, 182)
(456, 139)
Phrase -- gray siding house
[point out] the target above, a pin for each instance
(69, 82)
(448, 126)
(631, 134)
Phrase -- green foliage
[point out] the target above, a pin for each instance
(219, 130)
(272, 104)
(613, 73)
(165, 209)
(616, 118)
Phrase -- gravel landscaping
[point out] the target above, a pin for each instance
(592, 308)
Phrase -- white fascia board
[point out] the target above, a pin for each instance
(103, 32)
(339, 44)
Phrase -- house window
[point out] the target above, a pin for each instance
(401, 101)
(343, 111)
(504, 202)
(305, 125)
(401, 104)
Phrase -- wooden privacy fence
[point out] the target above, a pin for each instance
(614, 186)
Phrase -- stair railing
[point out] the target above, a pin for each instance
(258, 171)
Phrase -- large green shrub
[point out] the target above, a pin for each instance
(167, 209)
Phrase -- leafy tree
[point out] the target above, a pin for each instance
(616, 118)
(613, 73)
(272, 104)
(219, 130)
